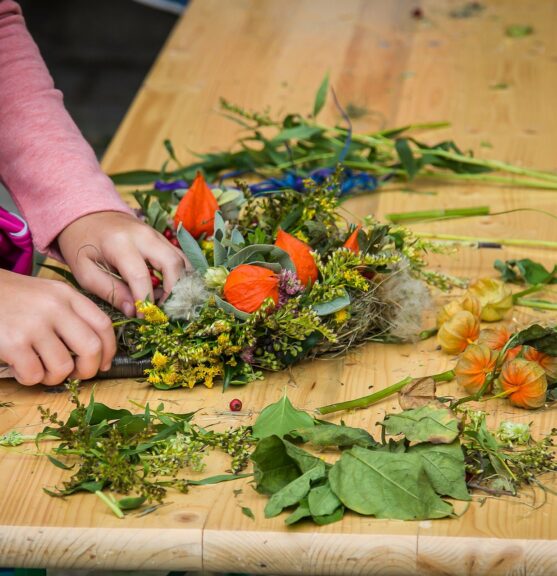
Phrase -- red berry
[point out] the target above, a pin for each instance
(168, 234)
(155, 281)
(174, 242)
(235, 405)
(417, 13)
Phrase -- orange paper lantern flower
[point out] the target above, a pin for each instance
(459, 331)
(248, 286)
(547, 362)
(196, 210)
(495, 339)
(352, 241)
(300, 254)
(468, 302)
(524, 382)
(472, 368)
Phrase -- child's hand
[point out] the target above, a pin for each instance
(122, 243)
(49, 331)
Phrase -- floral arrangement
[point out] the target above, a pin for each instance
(276, 278)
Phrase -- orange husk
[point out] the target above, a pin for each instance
(524, 382)
(495, 338)
(248, 286)
(473, 366)
(196, 210)
(300, 254)
(459, 331)
(547, 362)
(468, 302)
(352, 241)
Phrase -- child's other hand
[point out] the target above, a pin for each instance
(124, 244)
(49, 331)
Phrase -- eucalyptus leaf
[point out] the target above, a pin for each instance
(227, 307)
(425, 424)
(220, 254)
(192, 250)
(386, 485)
(258, 252)
(280, 418)
(332, 306)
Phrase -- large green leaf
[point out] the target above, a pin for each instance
(280, 418)
(294, 491)
(425, 424)
(227, 307)
(328, 435)
(386, 485)
(444, 466)
(322, 500)
(538, 337)
(192, 250)
(97, 413)
(332, 306)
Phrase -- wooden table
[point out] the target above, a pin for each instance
(402, 70)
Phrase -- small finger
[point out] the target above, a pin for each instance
(166, 260)
(132, 267)
(86, 345)
(56, 359)
(27, 367)
(101, 325)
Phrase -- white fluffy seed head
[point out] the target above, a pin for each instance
(187, 298)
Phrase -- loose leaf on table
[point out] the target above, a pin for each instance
(248, 512)
(277, 462)
(419, 392)
(295, 491)
(539, 337)
(322, 501)
(386, 485)
(280, 418)
(426, 424)
(325, 435)
(444, 466)
(526, 269)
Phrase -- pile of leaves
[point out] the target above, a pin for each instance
(426, 456)
(281, 152)
(139, 455)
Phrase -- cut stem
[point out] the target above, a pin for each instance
(365, 401)
(536, 304)
(397, 217)
(112, 505)
(471, 240)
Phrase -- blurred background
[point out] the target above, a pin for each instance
(98, 54)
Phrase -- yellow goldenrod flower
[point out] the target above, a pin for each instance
(151, 312)
(159, 360)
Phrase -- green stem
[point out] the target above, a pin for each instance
(478, 395)
(471, 240)
(536, 304)
(112, 505)
(365, 401)
(531, 290)
(425, 334)
(397, 217)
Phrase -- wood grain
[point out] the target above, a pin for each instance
(265, 52)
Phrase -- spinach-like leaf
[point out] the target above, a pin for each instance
(426, 424)
(326, 435)
(280, 418)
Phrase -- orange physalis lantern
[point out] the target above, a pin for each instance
(547, 362)
(352, 241)
(248, 286)
(300, 254)
(524, 382)
(473, 366)
(457, 332)
(196, 210)
(495, 339)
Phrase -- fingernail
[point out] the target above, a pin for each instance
(129, 309)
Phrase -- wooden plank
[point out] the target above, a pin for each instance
(265, 52)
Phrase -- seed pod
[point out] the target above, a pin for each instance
(455, 334)
(495, 339)
(300, 254)
(547, 362)
(248, 286)
(196, 210)
(525, 383)
(352, 241)
(495, 297)
(469, 302)
(473, 366)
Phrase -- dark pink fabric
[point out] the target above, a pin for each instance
(46, 164)
(16, 245)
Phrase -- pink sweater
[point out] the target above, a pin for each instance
(48, 167)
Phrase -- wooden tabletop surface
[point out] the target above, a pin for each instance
(274, 53)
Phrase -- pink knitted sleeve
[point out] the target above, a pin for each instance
(46, 164)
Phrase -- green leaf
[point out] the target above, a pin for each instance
(280, 418)
(301, 132)
(336, 516)
(519, 30)
(98, 413)
(322, 500)
(386, 485)
(332, 306)
(301, 512)
(327, 435)
(444, 466)
(321, 95)
(261, 252)
(192, 250)
(406, 157)
(217, 479)
(526, 269)
(293, 492)
(247, 512)
(131, 502)
(538, 337)
(425, 424)
(58, 463)
(135, 177)
(157, 217)
(227, 307)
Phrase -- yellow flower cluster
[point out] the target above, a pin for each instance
(355, 280)
(151, 312)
